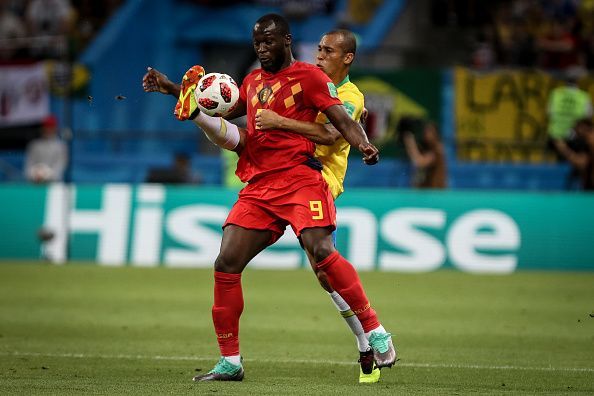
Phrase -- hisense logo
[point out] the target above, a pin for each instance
(142, 226)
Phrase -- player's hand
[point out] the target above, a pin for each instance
(364, 115)
(268, 119)
(370, 153)
(155, 81)
(408, 137)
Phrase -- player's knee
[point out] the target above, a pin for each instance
(322, 250)
(226, 264)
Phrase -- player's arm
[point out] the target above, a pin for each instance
(419, 159)
(578, 160)
(352, 132)
(155, 81)
(318, 133)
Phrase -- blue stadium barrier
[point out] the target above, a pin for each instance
(134, 169)
(509, 176)
(12, 164)
(389, 173)
(130, 167)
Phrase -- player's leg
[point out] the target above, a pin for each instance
(311, 212)
(221, 132)
(218, 130)
(239, 245)
(368, 373)
(340, 274)
(186, 104)
(343, 278)
(345, 310)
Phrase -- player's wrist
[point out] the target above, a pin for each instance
(282, 123)
(171, 88)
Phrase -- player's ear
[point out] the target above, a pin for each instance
(288, 39)
(348, 58)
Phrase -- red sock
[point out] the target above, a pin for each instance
(344, 279)
(227, 308)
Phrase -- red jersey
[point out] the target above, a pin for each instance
(300, 92)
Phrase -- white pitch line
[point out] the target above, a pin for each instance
(301, 361)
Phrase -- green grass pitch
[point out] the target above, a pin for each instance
(84, 329)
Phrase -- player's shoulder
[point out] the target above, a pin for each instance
(305, 66)
(255, 74)
(348, 91)
(351, 88)
(308, 70)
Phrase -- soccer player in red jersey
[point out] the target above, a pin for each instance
(284, 188)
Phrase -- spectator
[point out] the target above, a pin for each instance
(430, 164)
(581, 160)
(179, 173)
(47, 156)
(483, 56)
(559, 48)
(523, 51)
(11, 28)
(567, 105)
(50, 22)
(90, 17)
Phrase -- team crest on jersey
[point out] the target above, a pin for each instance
(264, 94)
(332, 90)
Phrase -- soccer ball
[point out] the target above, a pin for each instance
(216, 94)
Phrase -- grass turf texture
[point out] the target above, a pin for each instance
(80, 329)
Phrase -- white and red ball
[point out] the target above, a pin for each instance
(216, 94)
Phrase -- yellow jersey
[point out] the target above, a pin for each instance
(334, 158)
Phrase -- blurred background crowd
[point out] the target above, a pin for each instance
(42, 29)
(500, 90)
(551, 35)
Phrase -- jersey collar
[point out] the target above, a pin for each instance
(346, 80)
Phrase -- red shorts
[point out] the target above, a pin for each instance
(299, 197)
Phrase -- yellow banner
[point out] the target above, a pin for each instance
(502, 116)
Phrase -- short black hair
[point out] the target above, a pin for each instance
(349, 41)
(586, 122)
(282, 25)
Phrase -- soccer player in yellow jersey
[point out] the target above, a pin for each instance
(336, 52)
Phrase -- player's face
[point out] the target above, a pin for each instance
(331, 57)
(270, 46)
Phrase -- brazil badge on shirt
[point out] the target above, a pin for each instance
(332, 90)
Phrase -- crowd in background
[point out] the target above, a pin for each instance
(553, 35)
(549, 34)
(49, 29)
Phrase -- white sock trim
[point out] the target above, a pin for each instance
(218, 130)
(234, 359)
(352, 321)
